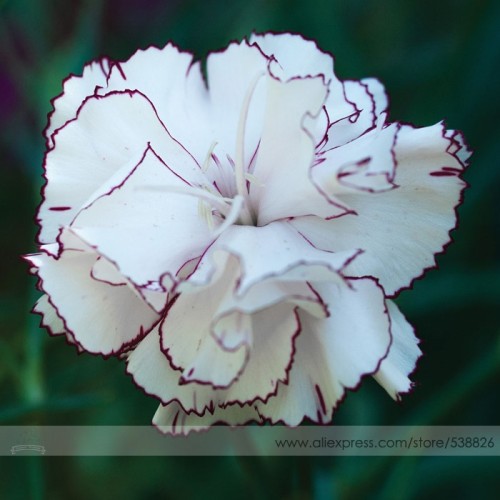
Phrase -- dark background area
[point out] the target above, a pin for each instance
(437, 59)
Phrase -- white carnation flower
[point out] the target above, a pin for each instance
(238, 240)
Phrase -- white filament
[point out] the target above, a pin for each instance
(239, 163)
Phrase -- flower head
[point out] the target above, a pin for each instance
(238, 240)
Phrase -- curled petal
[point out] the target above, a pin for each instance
(370, 101)
(76, 89)
(243, 92)
(352, 107)
(380, 101)
(274, 332)
(294, 56)
(103, 270)
(50, 319)
(134, 223)
(93, 148)
(100, 317)
(273, 252)
(393, 374)
(327, 361)
(366, 164)
(219, 342)
(458, 146)
(190, 345)
(177, 90)
(401, 229)
(288, 104)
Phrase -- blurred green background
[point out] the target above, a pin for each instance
(438, 59)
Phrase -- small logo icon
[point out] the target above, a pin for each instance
(27, 448)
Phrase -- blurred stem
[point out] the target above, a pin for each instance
(8, 360)
(33, 393)
(36, 478)
(33, 389)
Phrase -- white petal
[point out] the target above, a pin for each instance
(379, 95)
(370, 101)
(208, 335)
(273, 252)
(235, 75)
(294, 55)
(142, 227)
(269, 354)
(177, 91)
(285, 188)
(275, 330)
(400, 230)
(152, 372)
(367, 163)
(403, 355)
(52, 321)
(50, 318)
(75, 90)
(259, 290)
(233, 330)
(107, 134)
(333, 354)
(154, 293)
(269, 362)
(187, 335)
(297, 57)
(215, 365)
(208, 330)
(458, 146)
(102, 318)
(271, 292)
(106, 272)
(172, 419)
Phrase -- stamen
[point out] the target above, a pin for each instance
(253, 180)
(232, 216)
(239, 167)
(229, 208)
(218, 202)
(206, 163)
(205, 212)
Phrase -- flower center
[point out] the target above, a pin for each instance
(231, 177)
(225, 184)
(225, 195)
